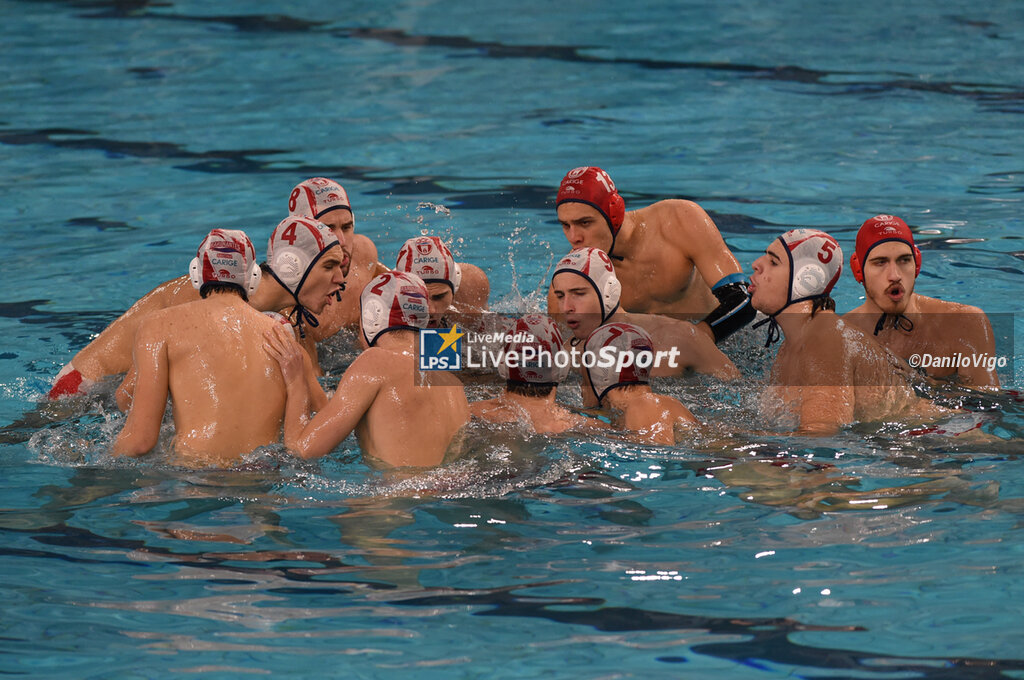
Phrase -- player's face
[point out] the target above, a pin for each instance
(324, 281)
(769, 285)
(578, 303)
(584, 226)
(889, 276)
(439, 301)
(343, 225)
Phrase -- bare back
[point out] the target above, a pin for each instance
(654, 418)
(227, 393)
(542, 414)
(415, 417)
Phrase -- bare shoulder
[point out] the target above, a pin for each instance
(473, 275)
(828, 336)
(859, 317)
(365, 248)
(676, 214)
(661, 327)
(930, 305)
(167, 294)
(372, 359)
(475, 289)
(671, 207)
(157, 323)
(492, 410)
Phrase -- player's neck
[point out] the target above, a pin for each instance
(620, 398)
(225, 298)
(625, 240)
(397, 341)
(271, 296)
(794, 320)
(529, 402)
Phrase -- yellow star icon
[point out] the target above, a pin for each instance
(449, 338)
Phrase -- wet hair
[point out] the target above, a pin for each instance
(529, 389)
(824, 302)
(220, 287)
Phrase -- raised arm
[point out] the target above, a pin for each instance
(339, 416)
(142, 426)
(695, 233)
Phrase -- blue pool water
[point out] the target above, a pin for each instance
(128, 130)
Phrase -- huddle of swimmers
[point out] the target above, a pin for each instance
(238, 377)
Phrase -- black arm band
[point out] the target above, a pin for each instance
(733, 312)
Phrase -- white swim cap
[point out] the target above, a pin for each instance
(226, 256)
(815, 260)
(541, 333)
(393, 301)
(430, 259)
(595, 266)
(295, 246)
(625, 338)
(316, 197)
(815, 263)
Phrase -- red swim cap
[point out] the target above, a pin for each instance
(881, 229)
(593, 186)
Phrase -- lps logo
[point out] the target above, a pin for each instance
(440, 350)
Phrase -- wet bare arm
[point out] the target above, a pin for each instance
(280, 344)
(355, 394)
(142, 425)
(981, 341)
(696, 232)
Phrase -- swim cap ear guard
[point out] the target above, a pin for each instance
(881, 229)
(226, 256)
(594, 187)
(431, 260)
(815, 260)
(541, 333)
(316, 197)
(393, 301)
(625, 338)
(595, 266)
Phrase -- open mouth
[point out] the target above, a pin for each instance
(895, 292)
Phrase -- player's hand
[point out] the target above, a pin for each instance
(279, 342)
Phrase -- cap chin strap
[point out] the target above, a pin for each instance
(300, 313)
(609, 314)
(614, 257)
(389, 329)
(899, 321)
